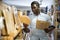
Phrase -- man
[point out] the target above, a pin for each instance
(52, 11)
(37, 34)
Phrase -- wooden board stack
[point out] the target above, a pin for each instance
(12, 28)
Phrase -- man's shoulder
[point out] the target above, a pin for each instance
(44, 14)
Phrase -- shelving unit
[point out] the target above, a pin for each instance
(12, 29)
(57, 29)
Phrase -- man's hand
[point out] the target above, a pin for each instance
(26, 30)
(47, 30)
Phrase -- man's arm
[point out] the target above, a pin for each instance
(47, 30)
(51, 27)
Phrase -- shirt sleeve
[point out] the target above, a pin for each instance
(49, 20)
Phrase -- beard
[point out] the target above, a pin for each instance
(36, 12)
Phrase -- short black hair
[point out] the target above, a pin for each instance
(35, 2)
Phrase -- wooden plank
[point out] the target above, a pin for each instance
(3, 31)
(10, 26)
(9, 23)
(40, 26)
(7, 38)
(17, 21)
(56, 24)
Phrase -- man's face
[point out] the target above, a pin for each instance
(35, 9)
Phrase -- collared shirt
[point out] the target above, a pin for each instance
(41, 16)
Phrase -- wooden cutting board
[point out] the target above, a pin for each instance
(42, 24)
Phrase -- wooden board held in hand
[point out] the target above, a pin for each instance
(42, 24)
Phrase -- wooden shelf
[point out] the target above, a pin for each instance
(58, 29)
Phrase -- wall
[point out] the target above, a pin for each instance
(24, 4)
(47, 3)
